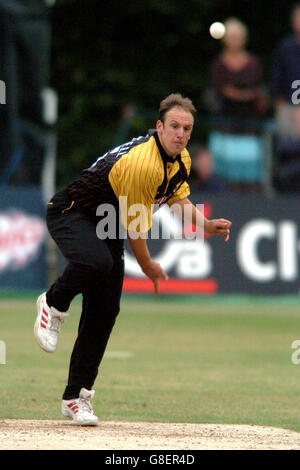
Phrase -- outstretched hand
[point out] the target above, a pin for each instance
(151, 268)
(218, 227)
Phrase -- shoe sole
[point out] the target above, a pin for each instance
(36, 326)
(83, 423)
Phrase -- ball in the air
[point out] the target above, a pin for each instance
(217, 30)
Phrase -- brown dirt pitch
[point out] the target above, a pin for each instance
(110, 435)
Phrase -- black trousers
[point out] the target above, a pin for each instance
(96, 270)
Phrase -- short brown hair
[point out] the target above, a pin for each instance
(175, 99)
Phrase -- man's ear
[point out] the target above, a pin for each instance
(159, 125)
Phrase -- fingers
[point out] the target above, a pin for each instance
(226, 224)
(164, 276)
(156, 286)
(227, 230)
(223, 228)
(226, 221)
(223, 223)
(225, 233)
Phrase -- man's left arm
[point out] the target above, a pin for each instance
(194, 216)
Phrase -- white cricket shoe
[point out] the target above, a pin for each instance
(47, 324)
(80, 409)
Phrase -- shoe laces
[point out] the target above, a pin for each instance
(56, 322)
(86, 405)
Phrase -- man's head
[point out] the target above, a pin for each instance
(236, 34)
(175, 123)
(203, 163)
(295, 19)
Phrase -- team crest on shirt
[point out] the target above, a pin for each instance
(160, 200)
(163, 199)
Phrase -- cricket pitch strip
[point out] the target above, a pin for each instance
(23, 434)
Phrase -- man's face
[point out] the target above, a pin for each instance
(175, 132)
(235, 37)
(296, 21)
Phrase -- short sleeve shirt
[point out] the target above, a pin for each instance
(135, 176)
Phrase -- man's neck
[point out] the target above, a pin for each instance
(171, 156)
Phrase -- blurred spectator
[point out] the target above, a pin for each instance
(203, 178)
(25, 69)
(239, 102)
(285, 74)
(285, 70)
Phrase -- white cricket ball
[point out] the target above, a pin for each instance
(217, 30)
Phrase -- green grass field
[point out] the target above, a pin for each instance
(199, 360)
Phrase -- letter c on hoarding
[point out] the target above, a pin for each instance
(247, 258)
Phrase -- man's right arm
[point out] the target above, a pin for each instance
(135, 181)
(149, 267)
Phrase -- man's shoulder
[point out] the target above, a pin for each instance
(115, 154)
(127, 147)
(185, 155)
(286, 43)
(141, 157)
(141, 146)
(135, 141)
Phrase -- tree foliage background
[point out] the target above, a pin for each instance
(107, 54)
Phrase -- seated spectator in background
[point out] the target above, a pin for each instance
(237, 77)
(203, 178)
(285, 74)
(239, 102)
